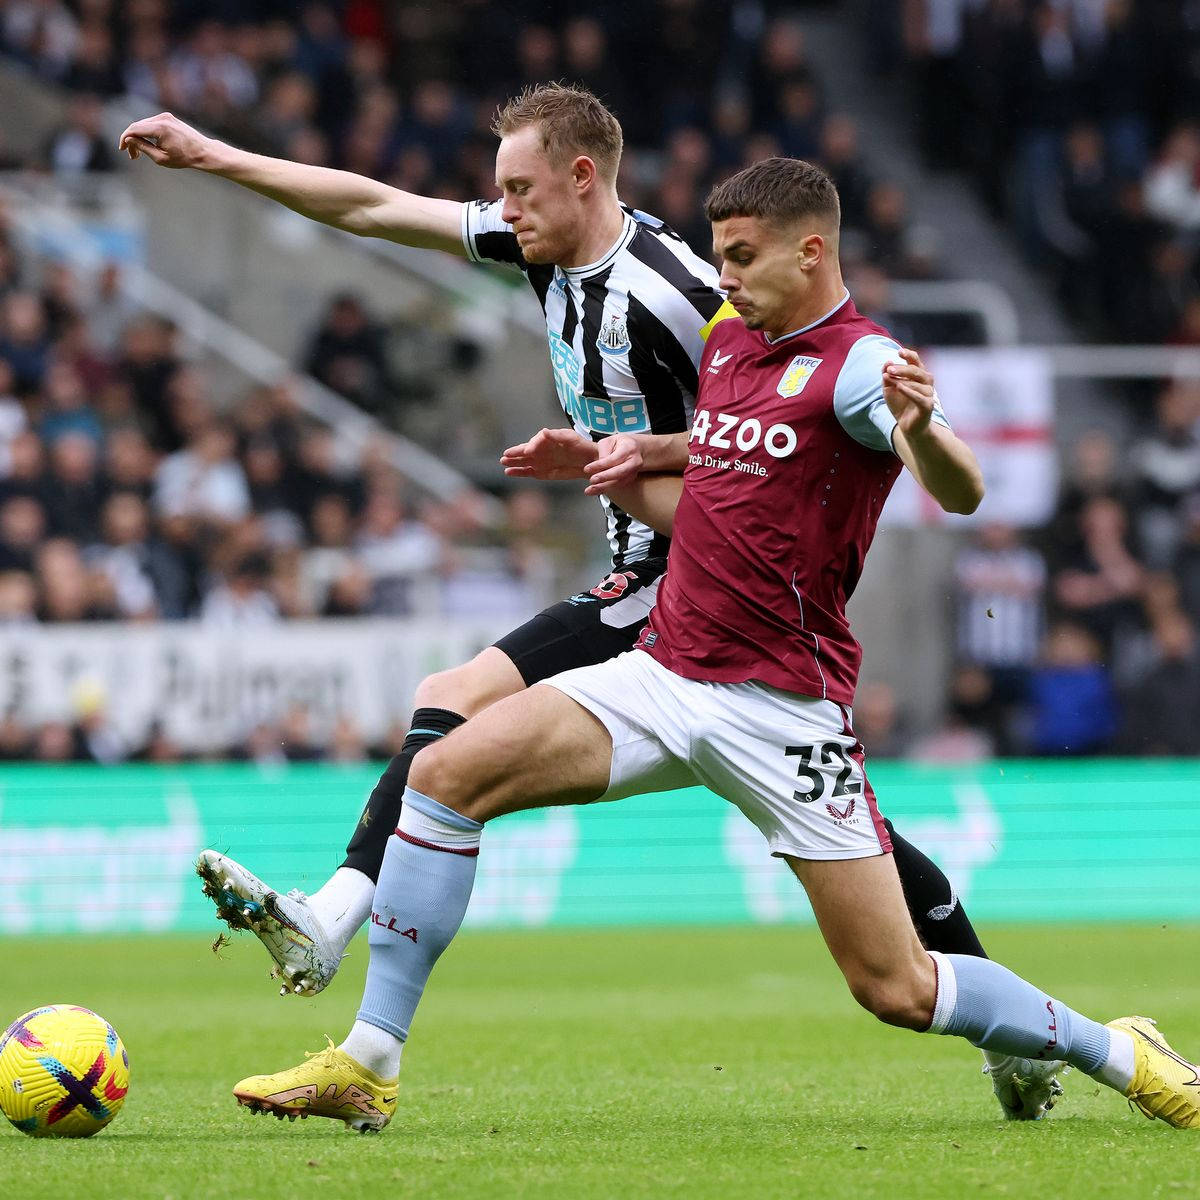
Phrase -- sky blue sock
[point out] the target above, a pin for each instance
(420, 900)
(996, 1010)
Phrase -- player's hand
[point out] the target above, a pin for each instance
(550, 454)
(617, 464)
(909, 393)
(166, 140)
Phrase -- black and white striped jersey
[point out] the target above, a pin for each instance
(626, 334)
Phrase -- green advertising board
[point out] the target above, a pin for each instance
(95, 849)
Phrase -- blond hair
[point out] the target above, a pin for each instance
(572, 122)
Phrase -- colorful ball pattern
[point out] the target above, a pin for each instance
(63, 1072)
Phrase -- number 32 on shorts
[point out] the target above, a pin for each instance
(816, 767)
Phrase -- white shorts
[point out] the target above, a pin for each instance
(791, 763)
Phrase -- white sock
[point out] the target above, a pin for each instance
(1117, 1069)
(995, 1060)
(377, 1050)
(343, 905)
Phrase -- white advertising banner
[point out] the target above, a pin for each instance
(1000, 401)
(209, 688)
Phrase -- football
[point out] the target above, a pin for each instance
(64, 1072)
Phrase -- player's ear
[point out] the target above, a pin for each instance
(811, 251)
(583, 170)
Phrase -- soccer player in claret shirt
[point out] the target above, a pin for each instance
(742, 680)
(628, 310)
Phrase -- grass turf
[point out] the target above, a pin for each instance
(701, 1063)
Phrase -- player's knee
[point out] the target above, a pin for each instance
(467, 689)
(893, 999)
(434, 773)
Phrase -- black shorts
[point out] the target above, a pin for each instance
(588, 628)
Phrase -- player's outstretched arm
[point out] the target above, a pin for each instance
(944, 465)
(346, 201)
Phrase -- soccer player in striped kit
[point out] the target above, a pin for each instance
(742, 680)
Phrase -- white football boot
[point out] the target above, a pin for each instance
(1026, 1088)
(304, 956)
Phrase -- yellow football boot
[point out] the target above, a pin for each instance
(329, 1084)
(1164, 1085)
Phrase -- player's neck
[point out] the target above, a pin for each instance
(817, 304)
(601, 232)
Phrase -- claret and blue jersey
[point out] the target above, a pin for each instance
(790, 463)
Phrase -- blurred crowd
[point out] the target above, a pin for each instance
(1078, 121)
(128, 489)
(132, 487)
(405, 92)
(1079, 638)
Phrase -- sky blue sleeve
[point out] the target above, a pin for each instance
(858, 394)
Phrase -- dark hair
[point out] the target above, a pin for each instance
(780, 190)
(572, 121)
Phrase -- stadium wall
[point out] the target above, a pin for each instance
(97, 850)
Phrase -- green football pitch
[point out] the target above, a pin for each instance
(653, 1063)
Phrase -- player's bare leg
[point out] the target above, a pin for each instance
(530, 750)
(305, 935)
(861, 912)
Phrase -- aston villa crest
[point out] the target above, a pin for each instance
(798, 373)
(613, 338)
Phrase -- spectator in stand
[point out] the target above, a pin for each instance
(872, 292)
(1163, 710)
(42, 33)
(347, 354)
(68, 590)
(205, 481)
(242, 600)
(317, 469)
(18, 599)
(899, 249)
(65, 409)
(79, 147)
(1091, 471)
(22, 530)
(110, 312)
(146, 577)
(1172, 185)
(13, 419)
(1074, 708)
(351, 594)
(346, 744)
(586, 60)
(15, 740)
(94, 68)
(331, 556)
(24, 339)
(148, 361)
(296, 734)
(1101, 586)
(967, 730)
(208, 78)
(145, 70)
(129, 462)
(839, 155)
(401, 555)
(878, 721)
(288, 109)
(1001, 585)
(26, 467)
(1166, 470)
(74, 490)
(270, 495)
